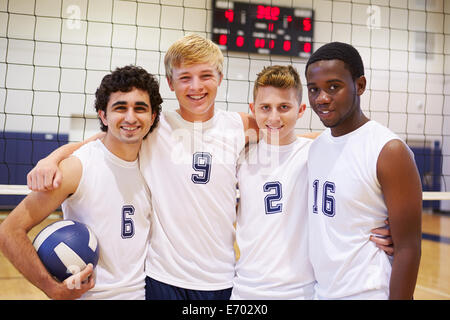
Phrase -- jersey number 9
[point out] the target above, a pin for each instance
(201, 162)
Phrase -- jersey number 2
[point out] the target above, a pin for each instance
(275, 194)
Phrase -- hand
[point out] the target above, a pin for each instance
(383, 239)
(45, 176)
(76, 285)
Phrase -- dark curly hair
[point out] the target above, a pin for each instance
(125, 79)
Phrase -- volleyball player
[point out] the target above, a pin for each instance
(100, 183)
(190, 166)
(271, 228)
(359, 173)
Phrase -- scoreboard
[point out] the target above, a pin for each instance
(264, 29)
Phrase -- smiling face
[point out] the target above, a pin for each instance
(335, 96)
(196, 88)
(276, 111)
(128, 117)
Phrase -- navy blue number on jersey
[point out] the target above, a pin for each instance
(328, 201)
(127, 222)
(201, 162)
(272, 200)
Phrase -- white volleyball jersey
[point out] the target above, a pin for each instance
(271, 228)
(345, 202)
(114, 201)
(191, 171)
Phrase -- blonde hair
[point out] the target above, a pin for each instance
(192, 49)
(282, 77)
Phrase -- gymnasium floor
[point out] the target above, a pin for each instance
(433, 282)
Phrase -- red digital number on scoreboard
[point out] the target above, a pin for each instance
(263, 28)
(267, 12)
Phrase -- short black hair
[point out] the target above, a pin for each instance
(340, 51)
(125, 79)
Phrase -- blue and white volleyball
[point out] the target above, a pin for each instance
(66, 247)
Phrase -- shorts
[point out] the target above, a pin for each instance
(155, 290)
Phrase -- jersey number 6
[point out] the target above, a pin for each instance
(127, 222)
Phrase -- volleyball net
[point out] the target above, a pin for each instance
(54, 53)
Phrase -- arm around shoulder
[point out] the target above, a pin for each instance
(310, 135)
(46, 175)
(251, 129)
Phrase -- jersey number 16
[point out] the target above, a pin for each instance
(328, 202)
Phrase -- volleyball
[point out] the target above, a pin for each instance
(66, 247)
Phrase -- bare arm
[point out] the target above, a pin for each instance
(310, 135)
(251, 129)
(402, 190)
(18, 248)
(46, 175)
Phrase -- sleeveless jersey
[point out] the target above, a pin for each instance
(271, 228)
(345, 202)
(190, 168)
(114, 201)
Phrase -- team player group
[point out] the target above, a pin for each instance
(293, 199)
